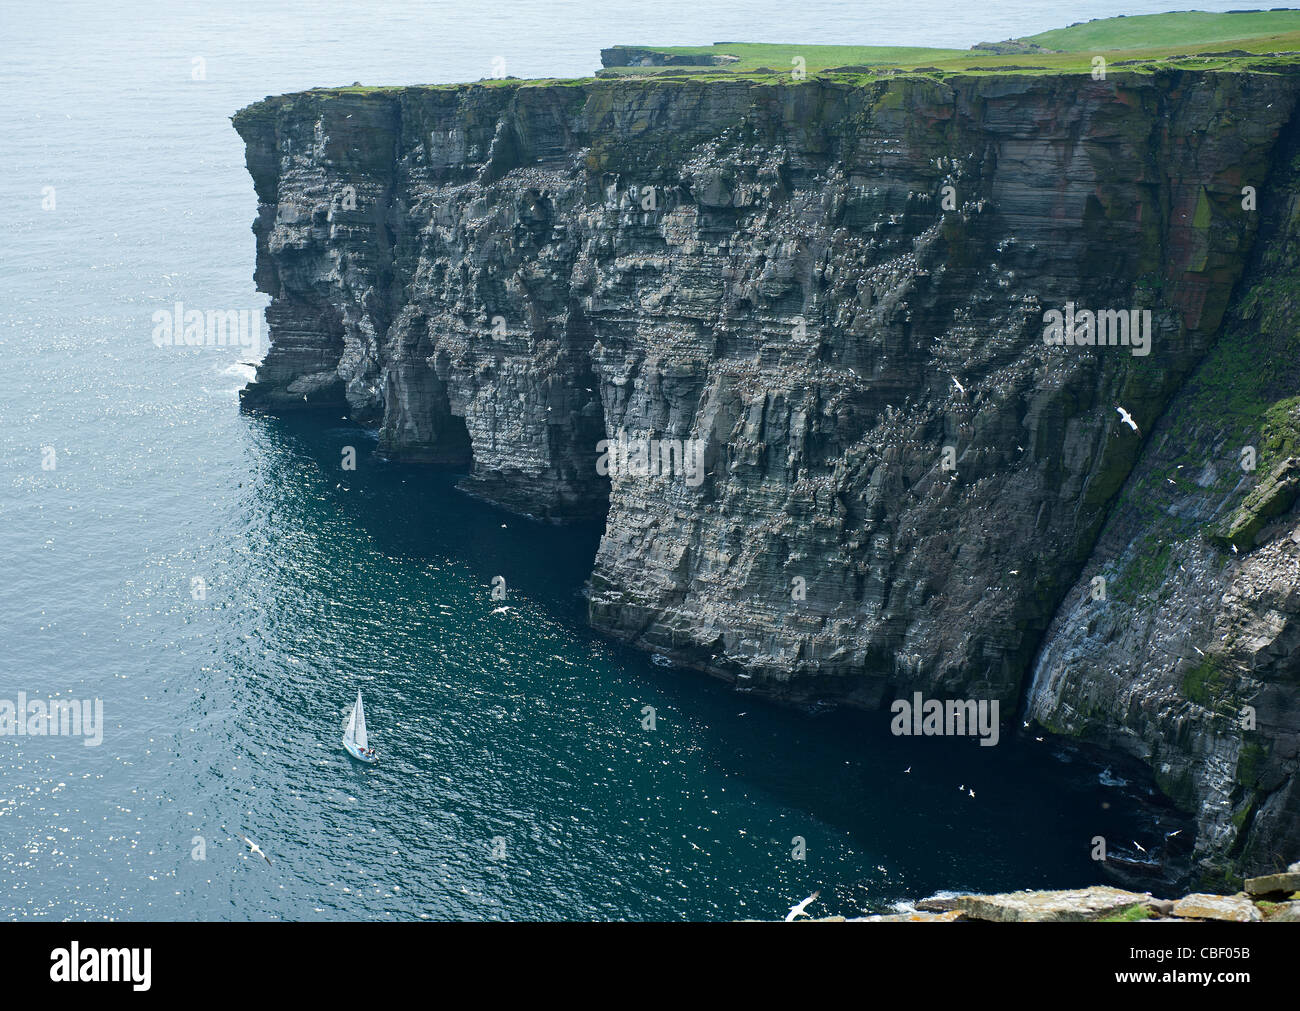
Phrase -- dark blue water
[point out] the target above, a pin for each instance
(223, 714)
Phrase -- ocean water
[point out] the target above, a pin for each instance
(516, 780)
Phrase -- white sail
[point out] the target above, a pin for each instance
(349, 725)
(359, 725)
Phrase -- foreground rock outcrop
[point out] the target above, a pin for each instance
(837, 292)
(1274, 898)
(1098, 904)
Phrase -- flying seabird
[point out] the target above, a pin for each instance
(255, 849)
(1127, 419)
(801, 908)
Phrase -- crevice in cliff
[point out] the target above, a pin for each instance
(1163, 666)
(454, 447)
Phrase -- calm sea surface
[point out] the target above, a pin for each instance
(516, 733)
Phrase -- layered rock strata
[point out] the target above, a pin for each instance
(836, 292)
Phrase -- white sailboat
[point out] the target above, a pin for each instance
(355, 742)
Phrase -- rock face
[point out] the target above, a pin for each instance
(917, 917)
(1234, 908)
(1286, 882)
(836, 293)
(634, 56)
(1070, 906)
(1097, 903)
(1192, 661)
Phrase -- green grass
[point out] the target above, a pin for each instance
(777, 57)
(1250, 762)
(1281, 433)
(1146, 572)
(1204, 684)
(1149, 40)
(1142, 44)
(1185, 28)
(1132, 914)
(506, 82)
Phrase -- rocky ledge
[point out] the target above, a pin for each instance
(1274, 898)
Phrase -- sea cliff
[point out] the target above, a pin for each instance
(836, 289)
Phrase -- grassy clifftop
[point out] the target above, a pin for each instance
(1244, 40)
(1257, 41)
(1184, 28)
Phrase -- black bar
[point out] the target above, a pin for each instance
(370, 962)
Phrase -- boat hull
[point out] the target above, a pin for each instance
(351, 748)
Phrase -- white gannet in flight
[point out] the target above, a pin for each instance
(801, 908)
(960, 388)
(253, 848)
(1127, 419)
